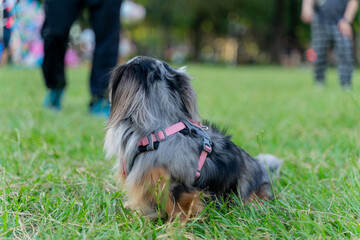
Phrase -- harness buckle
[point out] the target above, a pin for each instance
(150, 146)
(207, 145)
(194, 128)
(158, 137)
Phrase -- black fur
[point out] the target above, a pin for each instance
(148, 96)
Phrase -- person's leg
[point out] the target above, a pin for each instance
(320, 41)
(59, 16)
(345, 57)
(105, 20)
(6, 50)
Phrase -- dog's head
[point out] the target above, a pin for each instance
(147, 90)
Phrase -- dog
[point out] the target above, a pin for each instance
(167, 160)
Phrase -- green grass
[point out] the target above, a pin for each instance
(56, 184)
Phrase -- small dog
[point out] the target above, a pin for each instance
(167, 160)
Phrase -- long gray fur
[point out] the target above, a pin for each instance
(147, 96)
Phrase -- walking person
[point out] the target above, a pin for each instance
(7, 22)
(331, 20)
(105, 21)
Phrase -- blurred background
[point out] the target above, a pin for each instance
(230, 32)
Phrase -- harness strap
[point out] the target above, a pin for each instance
(204, 152)
(148, 143)
(162, 134)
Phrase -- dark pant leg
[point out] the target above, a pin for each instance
(105, 20)
(6, 37)
(320, 41)
(345, 56)
(59, 16)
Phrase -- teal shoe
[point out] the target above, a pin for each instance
(100, 108)
(53, 99)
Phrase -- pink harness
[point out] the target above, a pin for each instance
(152, 141)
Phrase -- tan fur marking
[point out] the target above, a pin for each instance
(153, 190)
(188, 205)
(258, 196)
(262, 195)
(121, 177)
(251, 197)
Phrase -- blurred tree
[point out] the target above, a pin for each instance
(278, 16)
(273, 27)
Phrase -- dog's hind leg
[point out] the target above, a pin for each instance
(270, 168)
(261, 194)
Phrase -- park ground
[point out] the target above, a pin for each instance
(56, 184)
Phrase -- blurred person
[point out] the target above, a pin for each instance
(105, 21)
(331, 20)
(26, 43)
(7, 21)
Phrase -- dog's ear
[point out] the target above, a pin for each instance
(126, 96)
(115, 79)
(187, 93)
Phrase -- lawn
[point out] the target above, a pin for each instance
(56, 184)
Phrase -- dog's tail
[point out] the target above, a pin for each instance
(271, 163)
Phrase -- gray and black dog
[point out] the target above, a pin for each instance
(164, 155)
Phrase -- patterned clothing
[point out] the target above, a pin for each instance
(322, 35)
(330, 11)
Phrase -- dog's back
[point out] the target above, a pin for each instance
(230, 168)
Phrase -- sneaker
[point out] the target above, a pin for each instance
(100, 108)
(53, 99)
